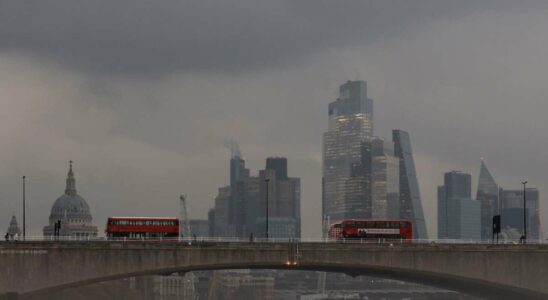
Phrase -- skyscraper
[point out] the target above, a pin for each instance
(218, 217)
(239, 176)
(488, 196)
(458, 215)
(385, 181)
(284, 205)
(410, 198)
(345, 186)
(240, 208)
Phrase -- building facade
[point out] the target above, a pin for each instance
(385, 181)
(199, 228)
(218, 217)
(458, 214)
(72, 211)
(345, 186)
(410, 197)
(488, 196)
(511, 202)
(249, 219)
(284, 201)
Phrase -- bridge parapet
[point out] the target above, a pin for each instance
(502, 271)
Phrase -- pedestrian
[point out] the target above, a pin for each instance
(7, 236)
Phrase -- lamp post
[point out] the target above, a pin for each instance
(524, 212)
(24, 209)
(266, 183)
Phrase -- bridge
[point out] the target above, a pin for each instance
(489, 271)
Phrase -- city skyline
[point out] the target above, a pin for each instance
(145, 124)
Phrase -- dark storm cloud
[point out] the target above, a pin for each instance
(141, 94)
(140, 37)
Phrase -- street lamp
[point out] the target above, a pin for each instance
(266, 183)
(524, 213)
(24, 209)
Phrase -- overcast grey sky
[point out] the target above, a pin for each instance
(142, 94)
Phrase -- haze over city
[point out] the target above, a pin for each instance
(142, 97)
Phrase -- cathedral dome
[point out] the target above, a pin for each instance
(71, 213)
(70, 206)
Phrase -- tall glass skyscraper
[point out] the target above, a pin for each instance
(239, 176)
(410, 197)
(346, 186)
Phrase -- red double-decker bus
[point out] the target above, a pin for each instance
(371, 229)
(142, 227)
(335, 231)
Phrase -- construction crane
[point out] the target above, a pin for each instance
(184, 230)
(184, 226)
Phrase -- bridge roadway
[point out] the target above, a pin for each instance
(489, 271)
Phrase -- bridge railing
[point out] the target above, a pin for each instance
(191, 240)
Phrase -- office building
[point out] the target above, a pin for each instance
(512, 213)
(199, 228)
(239, 176)
(410, 198)
(243, 214)
(345, 186)
(284, 201)
(385, 181)
(218, 218)
(458, 214)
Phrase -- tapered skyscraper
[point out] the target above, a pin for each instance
(410, 197)
(346, 184)
(488, 196)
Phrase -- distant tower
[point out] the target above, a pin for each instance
(458, 214)
(385, 181)
(488, 196)
(239, 177)
(13, 229)
(345, 185)
(410, 196)
(184, 227)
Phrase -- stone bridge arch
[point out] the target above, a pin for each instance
(497, 272)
